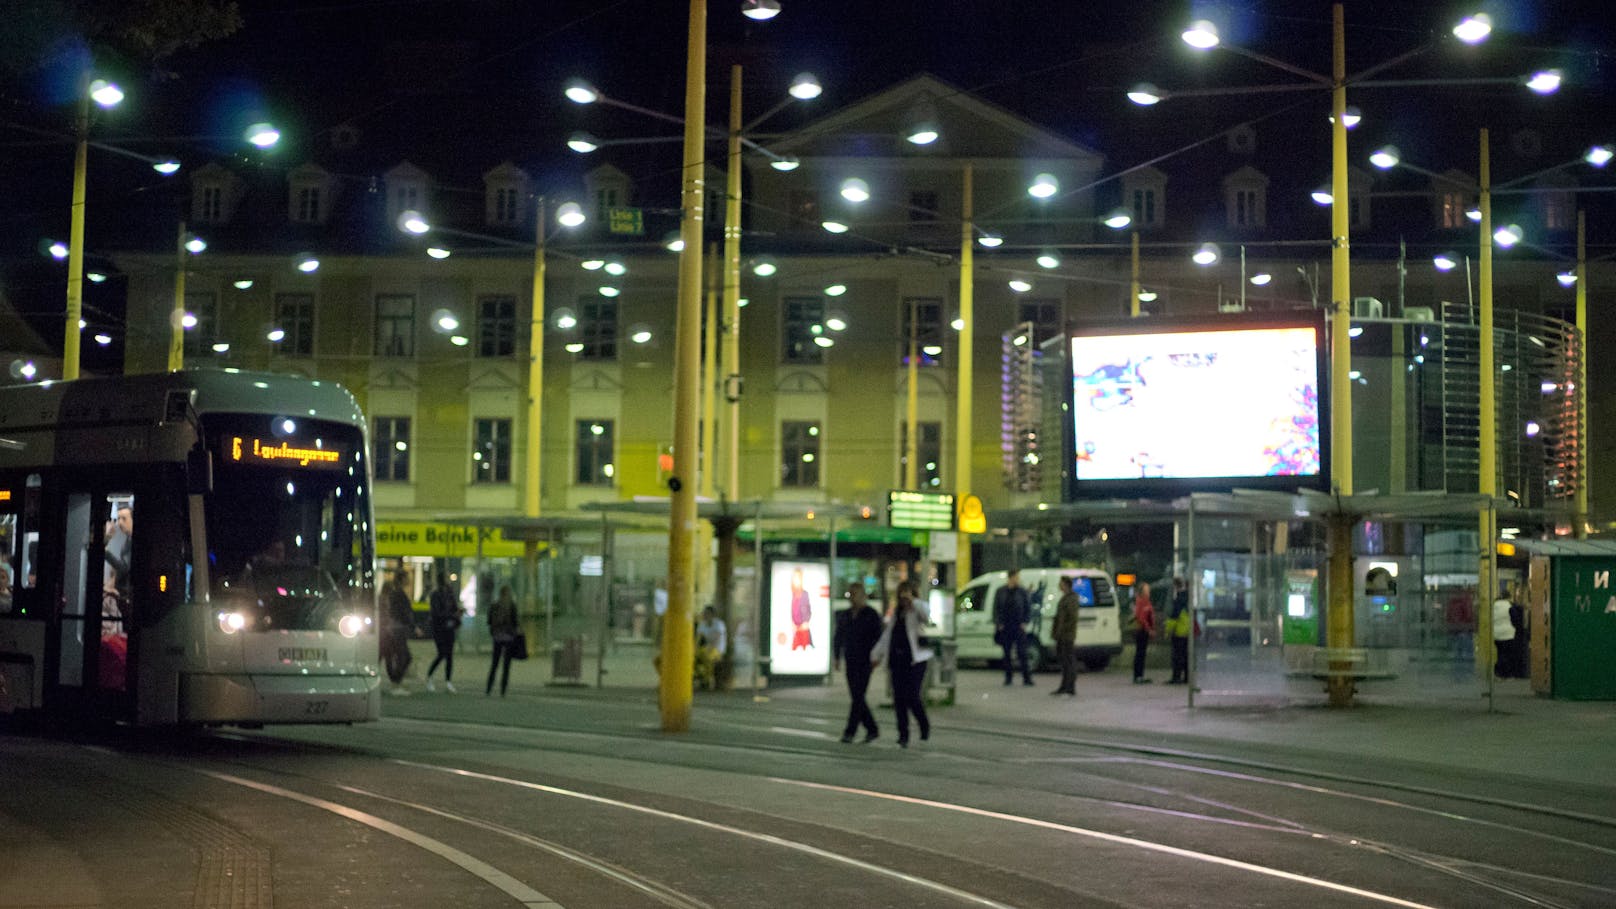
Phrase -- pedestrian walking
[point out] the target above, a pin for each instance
(1179, 623)
(398, 618)
(1507, 663)
(1064, 631)
(858, 628)
(502, 629)
(1143, 625)
(1012, 614)
(900, 646)
(445, 615)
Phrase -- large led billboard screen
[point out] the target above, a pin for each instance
(1165, 407)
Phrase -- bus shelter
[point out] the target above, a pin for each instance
(1256, 564)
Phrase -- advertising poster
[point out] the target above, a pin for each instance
(1196, 404)
(799, 618)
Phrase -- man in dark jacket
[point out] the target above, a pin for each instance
(1012, 614)
(1064, 632)
(857, 629)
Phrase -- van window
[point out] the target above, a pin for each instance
(973, 599)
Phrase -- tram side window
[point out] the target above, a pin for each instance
(8, 556)
(27, 575)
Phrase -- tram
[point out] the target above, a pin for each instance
(191, 548)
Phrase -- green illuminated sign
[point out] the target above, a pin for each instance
(630, 221)
(920, 510)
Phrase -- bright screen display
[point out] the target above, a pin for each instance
(799, 618)
(1192, 404)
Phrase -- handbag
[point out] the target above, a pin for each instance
(519, 646)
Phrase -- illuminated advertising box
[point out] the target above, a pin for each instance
(1163, 407)
(799, 618)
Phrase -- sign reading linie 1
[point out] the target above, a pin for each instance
(277, 453)
(630, 221)
(920, 510)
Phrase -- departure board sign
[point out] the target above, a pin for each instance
(283, 453)
(920, 510)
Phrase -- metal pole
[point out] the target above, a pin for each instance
(176, 319)
(1582, 375)
(535, 421)
(732, 287)
(75, 238)
(757, 604)
(1133, 285)
(678, 644)
(1340, 632)
(1487, 443)
(911, 425)
(962, 420)
(1242, 277)
(1194, 598)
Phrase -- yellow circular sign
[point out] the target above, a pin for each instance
(971, 517)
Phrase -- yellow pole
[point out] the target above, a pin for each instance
(531, 494)
(1582, 375)
(535, 372)
(75, 241)
(1487, 443)
(678, 640)
(176, 319)
(1339, 631)
(732, 286)
(709, 430)
(962, 419)
(911, 423)
(1133, 284)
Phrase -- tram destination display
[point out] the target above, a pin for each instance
(1164, 407)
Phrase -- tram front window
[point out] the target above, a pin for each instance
(286, 529)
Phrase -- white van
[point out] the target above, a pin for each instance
(1099, 622)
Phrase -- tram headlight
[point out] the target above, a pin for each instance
(231, 622)
(351, 625)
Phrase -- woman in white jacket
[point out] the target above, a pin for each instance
(906, 660)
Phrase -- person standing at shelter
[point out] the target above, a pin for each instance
(899, 645)
(1012, 614)
(1144, 628)
(398, 617)
(857, 630)
(712, 642)
(1179, 623)
(1064, 631)
(502, 629)
(1505, 639)
(445, 614)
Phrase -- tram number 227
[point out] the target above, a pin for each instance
(315, 708)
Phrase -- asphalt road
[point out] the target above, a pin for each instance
(574, 798)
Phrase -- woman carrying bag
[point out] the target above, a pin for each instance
(906, 658)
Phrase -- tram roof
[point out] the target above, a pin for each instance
(104, 399)
(1255, 505)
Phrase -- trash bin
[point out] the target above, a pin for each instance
(567, 660)
(940, 675)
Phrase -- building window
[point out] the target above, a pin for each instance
(593, 453)
(505, 210)
(1358, 210)
(928, 454)
(491, 455)
(922, 206)
(1045, 316)
(395, 325)
(212, 207)
(799, 454)
(200, 338)
(597, 329)
(1245, 208)
(1144, 207)
(294, 315)
(927, 315)
(802, 206)
(407, 198)
(390, 454)
(308, 204)
(607, 197)
(496, 326)
(801, 314)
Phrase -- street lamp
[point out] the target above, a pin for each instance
(105, 95)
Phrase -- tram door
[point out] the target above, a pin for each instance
(92, 640)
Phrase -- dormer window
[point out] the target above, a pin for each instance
(310, 201)
(210, 207)
(1245, 195)
(406, 191)
(607, 188)
(213, 195)
(1144, 195)
(505, 191)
